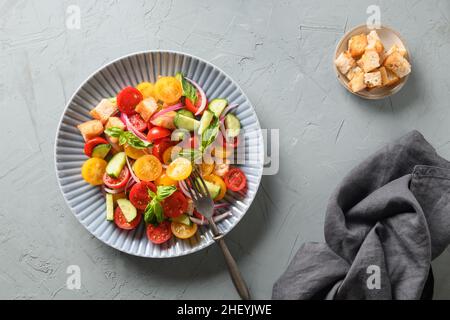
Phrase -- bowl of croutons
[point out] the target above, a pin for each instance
(372, 63)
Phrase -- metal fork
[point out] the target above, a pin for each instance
(204, 204)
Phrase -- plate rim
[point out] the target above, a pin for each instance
(142, 52)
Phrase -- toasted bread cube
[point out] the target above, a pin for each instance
(357, 45)
(397, 64)
(104, 110)
(374, 43)
(396, 48)
(354, 71)
(114, 122)
(344, 62)
(388, 77)
(90, 129)
(369, 61)
(147, 108)
(357, 84)
(373, 79)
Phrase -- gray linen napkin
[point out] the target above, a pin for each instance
(384, 224)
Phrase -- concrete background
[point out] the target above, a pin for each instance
(281, 54)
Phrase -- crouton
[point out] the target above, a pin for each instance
(344, 62)
(396, 48)
(369, 61)
(104, 110)
(373, 79)
(374, 43)
(90, 129)
(388, 77)
(357, 84)
(147, 108)
(354, 71)
(114, 122)
(396, 63)
(357, 45)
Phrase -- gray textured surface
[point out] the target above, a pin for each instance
(281, 55)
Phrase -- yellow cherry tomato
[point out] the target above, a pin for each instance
(93, 171)
(147, 168)
(179, 169)
(134, 153)
(146, 88)
(165, 180)
(170, 154)
(183, 231)
(206, 168)
(218, 181)
(168, 90)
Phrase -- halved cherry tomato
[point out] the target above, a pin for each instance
(175, 205)
(122, 223)
(128, 99)
(147, 168)
(134, 153)
(179, 169)
(164, 180)
(159, 234)
(119, 182)
(93, 170)
(182, 231)
(235, 179)
(156, 133)
(159, 146)
(218, 182)
(138, 123)
(139, 194)
(168, 89)
(146, 88)
(191, 107)
(91, 144)
(170, 154)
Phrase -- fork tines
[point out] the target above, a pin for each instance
(197, 185)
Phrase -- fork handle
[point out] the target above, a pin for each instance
(233, 269)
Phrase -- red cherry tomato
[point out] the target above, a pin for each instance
(119, 182)
(156, 133)
(91, 144)
(139, 194)
(122, 223)
(191, 107)
(138, 123)
(159, 146)
(128, 99)
(175, 205)
(235, 179)
(159, 234)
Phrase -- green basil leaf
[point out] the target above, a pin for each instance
(189, 91)
(164, 192)
(210, 134)
(135, 142)
(159, 214)
(114, 132)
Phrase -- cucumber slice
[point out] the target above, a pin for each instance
(184, 219)
(128, 210)
(116, 164)
(213, 189)
(109, 207)
(217, 106)
(101, 151)
(233, 125)
(186, 113)
(183, 122)
(205, 121)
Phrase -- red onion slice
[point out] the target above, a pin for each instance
(175, 107)
(136, 179)
(130, 127)
(218, 218)
(221, 205)
(113, 191)
(228, 109)
(202, 94)
(183, 189)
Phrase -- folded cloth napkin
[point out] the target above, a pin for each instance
(385, 223)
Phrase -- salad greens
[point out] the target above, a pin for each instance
(189, 91)
(154, 213)
(127, 137)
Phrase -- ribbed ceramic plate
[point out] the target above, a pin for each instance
(87, 202)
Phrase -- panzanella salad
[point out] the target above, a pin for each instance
(145, 142)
